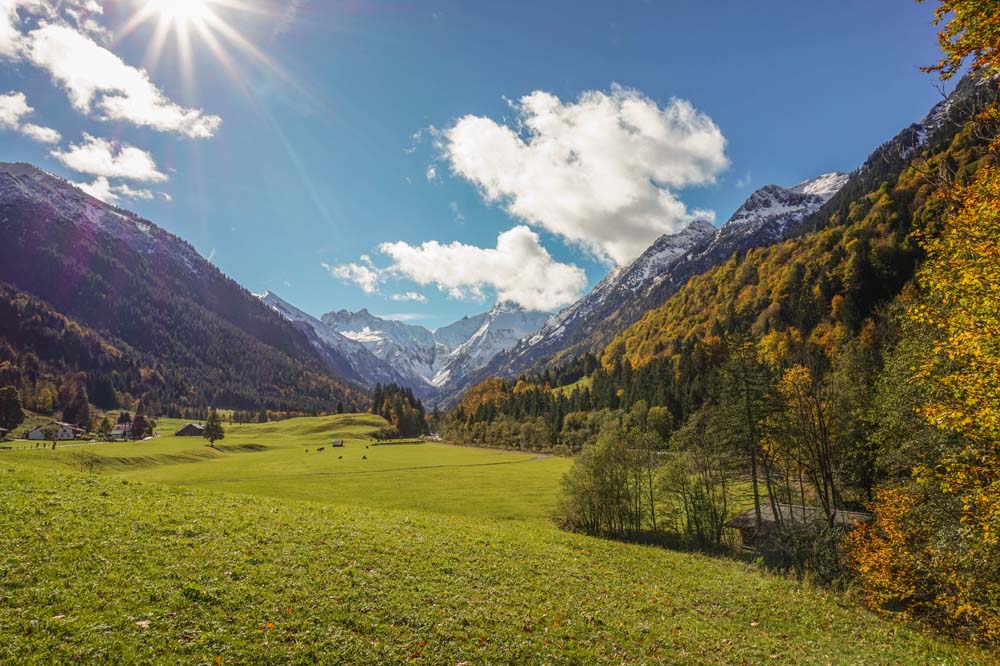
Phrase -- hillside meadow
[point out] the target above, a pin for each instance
(168, 551)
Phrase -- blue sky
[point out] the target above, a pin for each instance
(292, 158)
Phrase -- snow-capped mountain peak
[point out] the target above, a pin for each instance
(824, 186)
(774, 209)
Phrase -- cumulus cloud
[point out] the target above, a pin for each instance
(101, 157)
(11, 39)
(602, 172)
(59, 37)
(99, 189)
(519, 269)
(97, 80)
(13, 108)
(103, 189)
(409, 296)
(363, 274)
(431, 174)
(41, 134)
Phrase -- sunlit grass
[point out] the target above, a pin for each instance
(261, 553)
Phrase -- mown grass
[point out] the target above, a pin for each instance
(261, 553)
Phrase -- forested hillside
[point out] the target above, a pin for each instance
(172, 328)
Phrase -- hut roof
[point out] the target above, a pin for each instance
(797, 513)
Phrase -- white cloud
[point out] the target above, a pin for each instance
(102, 188)
(99, 189)
(456, 212)
(13, 108)
(744, 181)
(130, 193)
(102, 157)
(41, 134)
(602, 172)
(97, 80)
(431, 174)
(519, 269)
(11, 39)
(364, 274)
(409, 296)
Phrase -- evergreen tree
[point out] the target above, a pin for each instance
(213, 428)
(78, 412)
(11, 414)
(139, 425)
(104, 429)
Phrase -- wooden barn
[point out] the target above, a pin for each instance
(788, 514)
(121, 432)
(337, 444)
(191, 430)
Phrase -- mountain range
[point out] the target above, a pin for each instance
(369, 349)
(193, 336)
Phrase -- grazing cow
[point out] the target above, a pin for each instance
(340, 457)
(364, 457)
(321, 449)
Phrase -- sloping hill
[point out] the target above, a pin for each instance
(204, 339)
(151, 574)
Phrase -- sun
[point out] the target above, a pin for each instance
(201, 28)
(181, 11)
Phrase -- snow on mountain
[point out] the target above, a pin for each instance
(824, 186)
(778, 208)
(29, 183)
(579, 320)
(349, 358)
(768, 215)
(454, 335)
(502, 328)
(432, 359)
(410, 350)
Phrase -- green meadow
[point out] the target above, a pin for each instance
(265, 550)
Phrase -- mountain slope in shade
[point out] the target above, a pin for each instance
(205, 339)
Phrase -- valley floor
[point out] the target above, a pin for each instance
(167, 551)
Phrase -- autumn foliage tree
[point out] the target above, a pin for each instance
(934, 549)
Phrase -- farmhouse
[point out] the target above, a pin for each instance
(338, 443)
(121, 432)
(191, 430)
(59, 432)
(788, 514)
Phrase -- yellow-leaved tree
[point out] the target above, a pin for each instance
(934, 549)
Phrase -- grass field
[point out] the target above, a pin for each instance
(422, 553)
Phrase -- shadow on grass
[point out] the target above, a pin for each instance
(675, 542)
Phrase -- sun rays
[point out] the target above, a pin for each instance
(214, 24)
